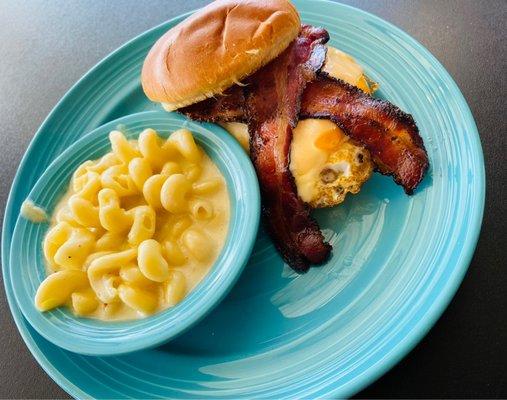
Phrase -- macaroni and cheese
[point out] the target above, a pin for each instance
(137, 229)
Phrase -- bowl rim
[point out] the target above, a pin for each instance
(155, 329)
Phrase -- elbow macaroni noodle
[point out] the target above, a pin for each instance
(137, 230)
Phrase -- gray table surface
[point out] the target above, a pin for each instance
(45, 46)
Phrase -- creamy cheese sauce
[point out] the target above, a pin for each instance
(134, 277)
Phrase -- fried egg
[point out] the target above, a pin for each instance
(326, 164)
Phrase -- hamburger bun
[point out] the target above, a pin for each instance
(216, 47)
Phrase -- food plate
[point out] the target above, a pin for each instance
(396, 264)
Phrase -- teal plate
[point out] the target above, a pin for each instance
(92, 337)
(396, 264)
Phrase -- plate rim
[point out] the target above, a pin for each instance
(424, 324)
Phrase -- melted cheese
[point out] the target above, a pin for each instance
(309, 153)
(342, 66)
(240, 132)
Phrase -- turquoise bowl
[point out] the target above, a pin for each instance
(397, 259)
(94, 337)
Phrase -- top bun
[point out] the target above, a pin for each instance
(216, 47)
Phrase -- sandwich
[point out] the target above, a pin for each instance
(303, 110)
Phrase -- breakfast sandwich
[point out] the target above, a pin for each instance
(306, 111)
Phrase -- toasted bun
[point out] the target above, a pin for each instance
(216, 47)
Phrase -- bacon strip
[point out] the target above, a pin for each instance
(388, 133)
(272, 105)
(228, 107)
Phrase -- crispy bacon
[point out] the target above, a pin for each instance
(388, 133)
(227, 107)
(272, 104)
